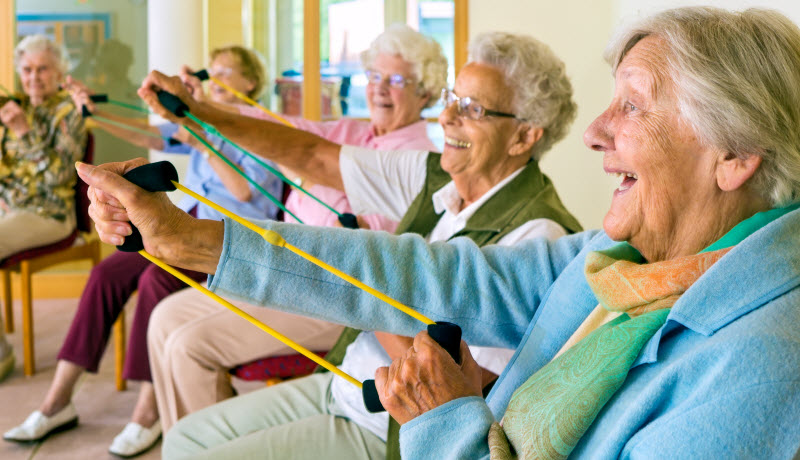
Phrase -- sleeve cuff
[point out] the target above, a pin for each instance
(457, 429)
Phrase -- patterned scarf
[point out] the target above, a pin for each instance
(551, 411)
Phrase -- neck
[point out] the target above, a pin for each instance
(471, 187)
(704, 228)
(382, 131)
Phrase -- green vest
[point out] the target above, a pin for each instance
(528, 196)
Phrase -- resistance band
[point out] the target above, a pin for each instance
(102, 98)
(162, 177)
(203, 75)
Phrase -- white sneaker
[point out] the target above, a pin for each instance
(135, 439)
(39, 426)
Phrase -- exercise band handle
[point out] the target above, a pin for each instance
(447, 335)
(348, 220)
(153, 177)
(202, 74)
(172, 103)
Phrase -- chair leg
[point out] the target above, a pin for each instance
(27, 318)
(8, 307)
(119, 351)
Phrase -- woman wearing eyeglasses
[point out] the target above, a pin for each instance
(193, 342)
(510, 104)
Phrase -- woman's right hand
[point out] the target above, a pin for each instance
(193, 84)
(167, 232)
(79, 93)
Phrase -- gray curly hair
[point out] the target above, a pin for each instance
(542, 90)
(38, 43)
(738, 85)
(424, 54)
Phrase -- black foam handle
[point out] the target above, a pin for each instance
(171, 141)
(85, 113)
(202, 74)
(348, 220)
(172, 103)
(447, 335)
(99, 98)
(153, 177)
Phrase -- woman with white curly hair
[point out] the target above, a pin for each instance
(510, 104)
(406, 73)
(42, 136)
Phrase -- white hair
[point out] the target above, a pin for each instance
(39, 43)
(737, 78)
(424, 54)
(542, 90)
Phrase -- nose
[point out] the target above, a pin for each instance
(449, 115)
(599, 135)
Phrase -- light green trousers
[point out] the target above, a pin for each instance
(291, 420)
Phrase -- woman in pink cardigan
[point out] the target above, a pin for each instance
(193, 341)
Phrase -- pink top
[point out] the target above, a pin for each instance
(351, 132)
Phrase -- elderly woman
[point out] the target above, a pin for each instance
(42, 136)
(117, 277)
(485, 186)
(193, 341)
(678, 342)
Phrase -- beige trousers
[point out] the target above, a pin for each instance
(20, 230)
(193, 342)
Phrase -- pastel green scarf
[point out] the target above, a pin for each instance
(551, 411)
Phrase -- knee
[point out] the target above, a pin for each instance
(180, 442)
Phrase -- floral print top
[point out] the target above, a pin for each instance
(37, 171)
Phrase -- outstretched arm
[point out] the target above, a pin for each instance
(311, 156)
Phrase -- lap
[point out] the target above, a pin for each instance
(275, 422)
(20, 230)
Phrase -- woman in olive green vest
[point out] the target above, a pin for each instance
(510, 104)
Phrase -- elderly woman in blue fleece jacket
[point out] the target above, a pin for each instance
(672, 333)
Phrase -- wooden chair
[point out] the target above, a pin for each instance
(79, 245)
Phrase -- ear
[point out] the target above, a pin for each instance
(423, 100)
(733, 172)
(523, 140)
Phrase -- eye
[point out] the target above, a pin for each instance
(630, 107)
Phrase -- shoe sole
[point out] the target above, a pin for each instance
(153, 444)
(63, 427)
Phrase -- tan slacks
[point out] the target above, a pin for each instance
(20, 230)
(193, 342)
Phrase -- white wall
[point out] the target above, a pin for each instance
(577, 31)
(625, 10)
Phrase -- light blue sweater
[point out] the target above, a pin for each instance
(721, 379)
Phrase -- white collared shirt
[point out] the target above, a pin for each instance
(385, 182)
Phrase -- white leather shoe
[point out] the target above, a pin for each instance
(135, 439)
(39, 426)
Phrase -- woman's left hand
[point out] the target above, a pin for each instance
(13, 117)
(425, 378)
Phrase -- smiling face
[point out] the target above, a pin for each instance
(393, 108)
(485, 148)
(227, 69)
(668, 187)
(39, 74)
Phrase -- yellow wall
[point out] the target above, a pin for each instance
(7, 28)
(223, 24)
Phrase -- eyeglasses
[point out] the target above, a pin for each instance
(468, 108)
(220, 72)
(396, 80)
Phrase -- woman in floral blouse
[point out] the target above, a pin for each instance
(41, 137)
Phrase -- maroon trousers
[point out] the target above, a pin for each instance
(110, 285)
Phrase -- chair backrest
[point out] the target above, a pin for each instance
(81, 188)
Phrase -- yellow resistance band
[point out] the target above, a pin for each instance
(255, 104)
(276, 239)
(286, 340)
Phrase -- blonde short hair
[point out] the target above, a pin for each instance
(250, 65)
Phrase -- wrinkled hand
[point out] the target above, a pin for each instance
(192, 83)
(155, 81)
(79, 94)
(13, 117)
(117, 203)
(425, 378)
